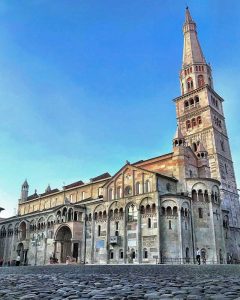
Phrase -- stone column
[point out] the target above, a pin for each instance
(213, 231)
(159, 227)
(180, 234)
(108, 239)
(139, 237)
(83, 249)
(93, 239)
(125, 236)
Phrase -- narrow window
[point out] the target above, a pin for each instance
(149, 223)
(116, 225)
(169, 225)
(185, 225)
(99, 230)
(121, 254)
(111, 254)
(200, 213)
(145, 253)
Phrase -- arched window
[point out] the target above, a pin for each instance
(188, 124)
(111, 254)
(191, 101)
(149, 223)
(148, 209)
(128, 190)
(200, 80)
(175, 210)
(190, 83)
(104, 214)
(121, 253)
(163, 211)
(137, 188)
(121, 212)
(196, 100)
(119, 192)
(186, 104)
(200, 213)
(147, 186)
(145, 253)
(132, 213)
(194, 122)
(111, 213)
(200, 195)
(199, 120)
(115, 212)
(169, 211)
(194, 195)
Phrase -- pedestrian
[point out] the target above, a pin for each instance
(198, 256)
(18, 260)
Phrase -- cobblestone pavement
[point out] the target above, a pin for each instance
(120, 282)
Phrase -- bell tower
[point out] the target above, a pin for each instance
(201, 119)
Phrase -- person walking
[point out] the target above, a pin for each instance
(18, 260)
(198, 256)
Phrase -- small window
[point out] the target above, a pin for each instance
(200, 213)
(99, 230)
(117, 223)
(149, 223)
(145, 253)
(128, 190)
(169, 225)
(121, 254)
(185, 225)
(111, 254)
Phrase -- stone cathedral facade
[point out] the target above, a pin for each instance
(158, 210)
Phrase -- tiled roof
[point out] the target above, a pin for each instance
(50, 192)
(33, 196)
(102, 176)
(74, 184)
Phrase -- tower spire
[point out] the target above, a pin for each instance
(195, 71)
(192, 52)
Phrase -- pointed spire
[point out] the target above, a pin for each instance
(178, 139)
(25, 184)
(188, 18)
(48, 189)
(201, 148)
(192, 52)
(178, 134)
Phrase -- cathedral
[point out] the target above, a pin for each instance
(160, 210)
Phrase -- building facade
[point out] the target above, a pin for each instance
(157, 210)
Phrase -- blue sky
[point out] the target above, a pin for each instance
(86, 85)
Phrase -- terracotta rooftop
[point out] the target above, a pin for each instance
(50, 192)
(74, 184)
(102, 176)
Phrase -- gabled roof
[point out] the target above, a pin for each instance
(74, 184)
(138, 168)
(49, 192)
(33, 196)
(100, 177)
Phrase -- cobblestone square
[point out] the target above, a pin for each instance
(120, 282)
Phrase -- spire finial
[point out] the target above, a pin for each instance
(188, 17)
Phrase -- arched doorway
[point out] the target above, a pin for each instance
(63, 243)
